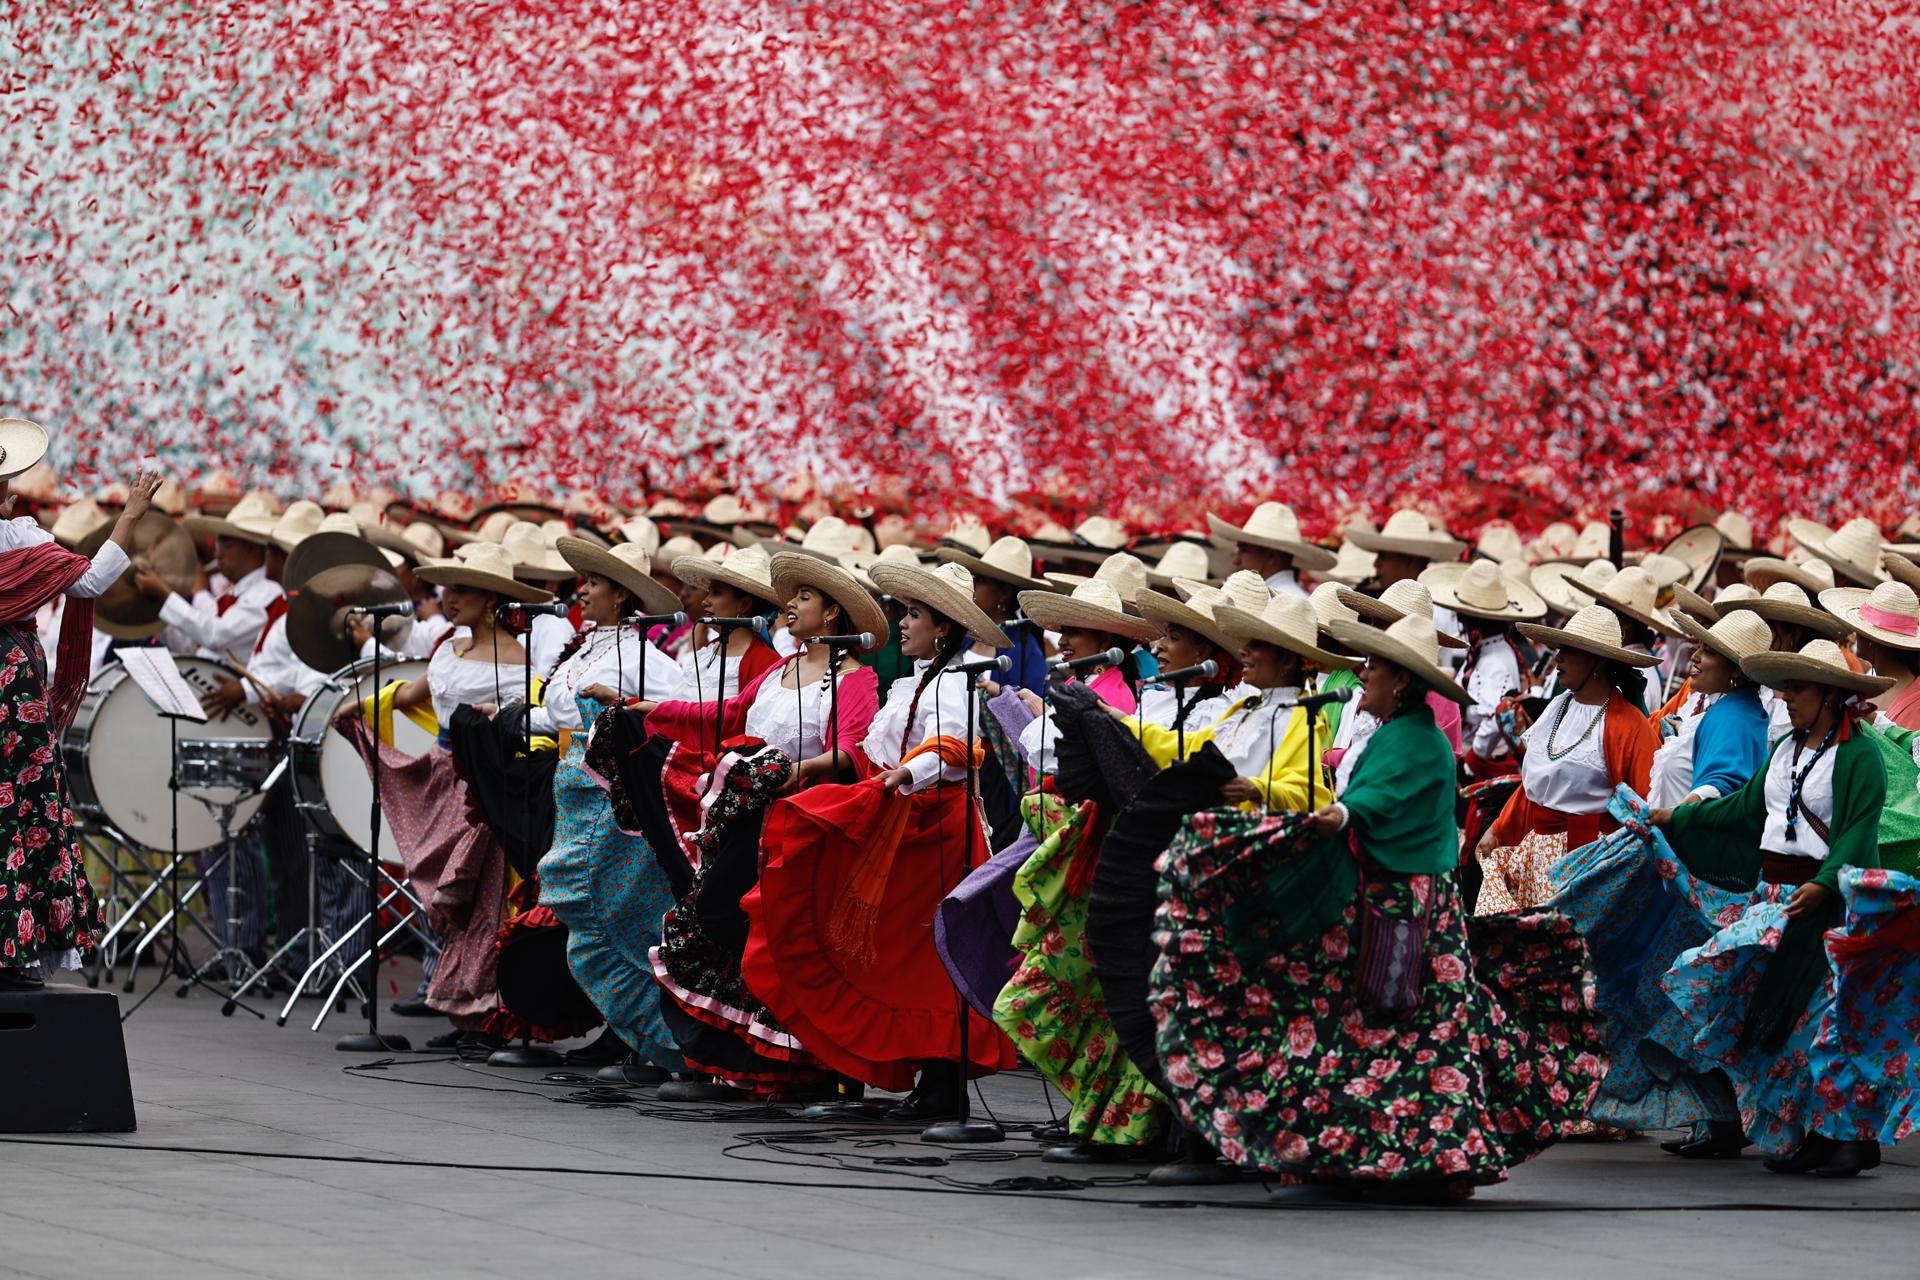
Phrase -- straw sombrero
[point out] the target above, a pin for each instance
(947, 589)
(1633, 593)
(792, 570)
(22, 445)
(1407, 596)
(1123, 570)
(1813, 576)
(748, 569)
(860, 563)
(1182, 559)
(828, 539)
(671, 550)
(1853, 549)
(1890, 613)
(1480, 590)
(1409, 533)
(1736, 533)
(1094, 605)
(1274, 526)
(1699, 548)
(303, 519)
(1008, 560)
(1554, 544)
(1090, 542)
(1556, 582)
(1738, 636)
(1287, 622)
(1595, 630)
(76, 520)
(1785, 602)
(1243, 590)
(1330, 606)
(1902, 569)
(483, 566)
(626, 565)
(1498, 540)
(1410, 643)
(1352, 564)
(533, 553)
(1821, 662)
(251, 520)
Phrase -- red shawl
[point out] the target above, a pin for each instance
(28, 579)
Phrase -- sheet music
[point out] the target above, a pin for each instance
(154, 671)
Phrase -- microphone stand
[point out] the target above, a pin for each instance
(371, 1040)
(961, 1129)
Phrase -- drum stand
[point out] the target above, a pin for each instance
(234, 959)
(130, 895)
(371, 1040)
(410, 907)
(311, 933)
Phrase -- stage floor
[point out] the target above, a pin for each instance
(260, 1152)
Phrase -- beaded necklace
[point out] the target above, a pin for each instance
(1554, 729)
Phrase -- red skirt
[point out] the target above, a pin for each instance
(876, 1012)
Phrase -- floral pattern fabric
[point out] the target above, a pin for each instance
(48, 910)
(1865, 1055)
(1053, 1008)
(1282, 1066)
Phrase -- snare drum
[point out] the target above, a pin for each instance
(330, 782)
(119, 759)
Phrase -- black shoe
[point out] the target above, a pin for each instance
(635, 1073)
(1722, 1141)
(1672, 1145)
(414, 1006)
(14, 980)
(1813, 1153)
(606, 1050)
(447, 1039)
(1853, 1158)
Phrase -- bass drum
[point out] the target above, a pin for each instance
(119, 759)
(330, 783)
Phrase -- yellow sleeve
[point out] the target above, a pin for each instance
(1162, 745)
(1283, 784)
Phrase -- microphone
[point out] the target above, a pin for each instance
(1111, 657)
(865, 640)
(1315, 700)
(558, 608)
(757, 624)
(656, 619)
(1205, 671)
(398, 609)
(980, 666)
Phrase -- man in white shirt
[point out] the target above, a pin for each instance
(1270, 545)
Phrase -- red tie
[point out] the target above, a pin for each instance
(225, 603)
(275, 609)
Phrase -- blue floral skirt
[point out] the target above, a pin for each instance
(1866, 1047)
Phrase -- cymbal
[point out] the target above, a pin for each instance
(317, 618)
(159, 544)
(322, 551)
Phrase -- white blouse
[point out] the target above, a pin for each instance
(942, 709)
(109, 562)
(1577, 782)
(1157, 707)
(1250, 735)
(1816, 796)
(793, 720)
(1673, 762)
(454, 682)
(707, 677)
(1495, 674)
(612, 657)
(1357, 728)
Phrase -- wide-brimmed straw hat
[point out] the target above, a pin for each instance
(1890, 613)
(251, 520)
(1699, 548)
(1736, 532)
(748, 569)
(533, 552)
(1498, 540)
(628, 565)
(1821, 662)
(829, 538)
(1123, 570)
(303, 519)
(1008, 560)
(1902, 569)
(22, 445)
(1786, 602)
(1181, 559)
(1410, 533)
(1738, 636)
(1407, 596)
(484, 566)
(968, 533)
(860, 563)
(792, 570)
(1330, 605)
(639, 531)
(1688, 602)
(1811, 576)
(1244, 590)
(1553, 582)
(1853, 549)
(1665, 570)
(1094, 604)
(78, 519)
(1274, 526)
(947, 589)
(1634, 594)
(1353, 564)
(671, 550)
(1553, 544)
(1595, 630)
(1286, 622)
(1411, 643)
(1479, 590)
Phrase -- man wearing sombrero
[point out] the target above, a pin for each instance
(1270, 545)
(225, 627)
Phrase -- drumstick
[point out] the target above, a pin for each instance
(258, 685)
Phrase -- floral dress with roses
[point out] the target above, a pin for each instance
(1272, 1048)
(48, 912)
(1053, 1008)
(1865, 1057)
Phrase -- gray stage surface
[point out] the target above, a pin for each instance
(258, 1155)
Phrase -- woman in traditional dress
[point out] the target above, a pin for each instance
(729, 658)
(1490, 605)
(1320, 1013)
(49, 916)
(794, 726)
(1356, 726)
(1091, 623)
(1002, 575)
(852, 874)
(1886, 636)
(1636, 928)
(452, 857)
(1763, 867)
(1795, 621)
(603, 882)
(1589, 740)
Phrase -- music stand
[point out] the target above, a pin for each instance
(158, 678)
(371, 1040)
